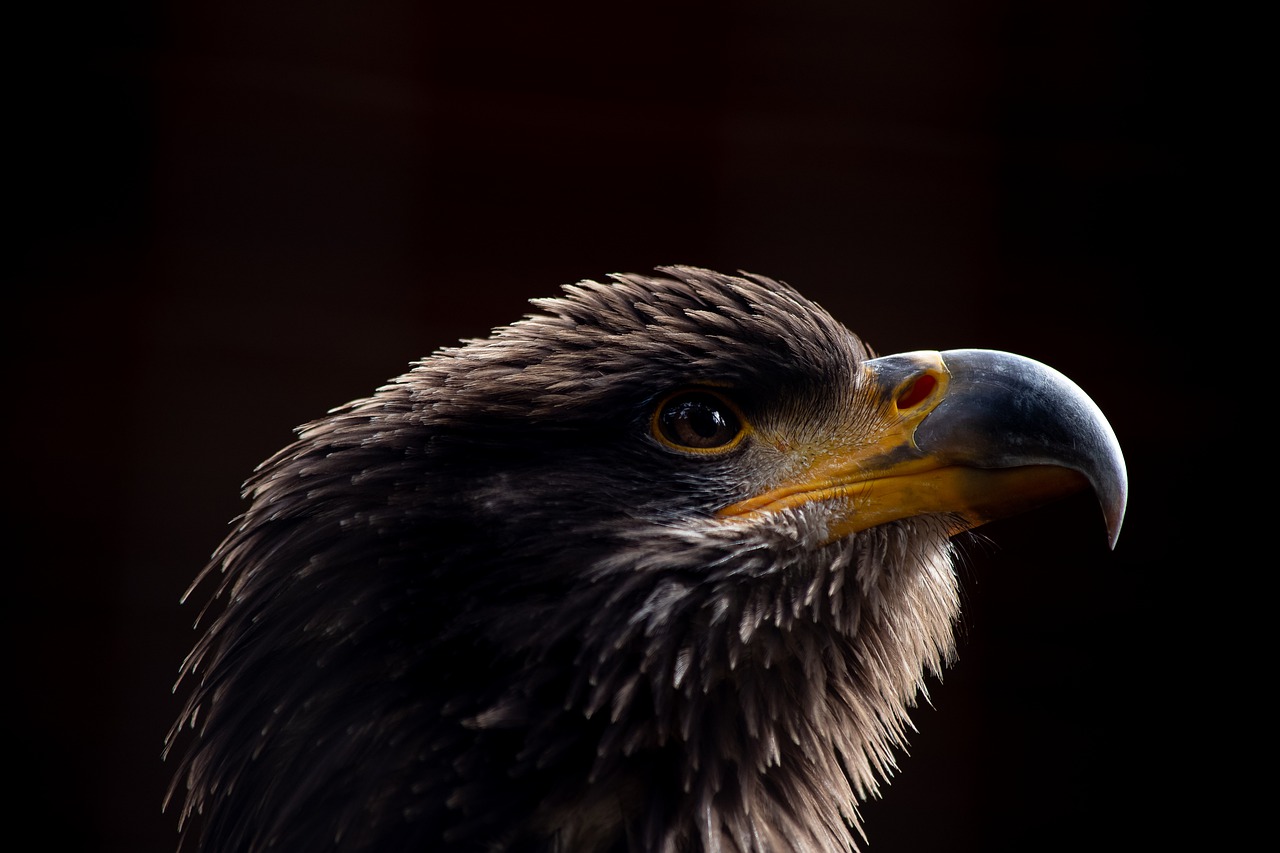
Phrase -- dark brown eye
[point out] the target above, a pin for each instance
(699, 421)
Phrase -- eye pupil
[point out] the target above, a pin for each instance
(705, 422)
(698, 420)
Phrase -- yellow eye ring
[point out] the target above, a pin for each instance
(698, 420)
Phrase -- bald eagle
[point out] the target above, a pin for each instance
(660, 567)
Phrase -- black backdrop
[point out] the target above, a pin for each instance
(234, 216)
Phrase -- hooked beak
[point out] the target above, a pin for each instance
(977, 435)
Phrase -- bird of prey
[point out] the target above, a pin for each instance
(661, 566)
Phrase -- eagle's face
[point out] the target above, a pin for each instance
(660, 567)
(672, 410)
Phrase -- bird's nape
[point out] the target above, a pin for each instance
(659, 567)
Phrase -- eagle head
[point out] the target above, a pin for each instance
(660, 567)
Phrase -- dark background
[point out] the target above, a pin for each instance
(234, 216)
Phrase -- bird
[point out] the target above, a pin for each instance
(663, 565)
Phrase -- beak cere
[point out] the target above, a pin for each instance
(977, 435)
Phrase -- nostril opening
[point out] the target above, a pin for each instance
(917, 391)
